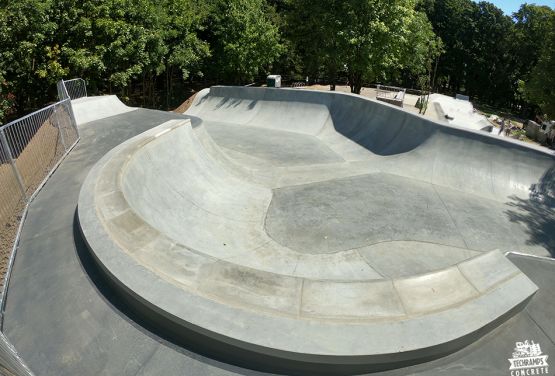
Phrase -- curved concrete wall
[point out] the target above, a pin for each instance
(186, 224)
(400, 142)
(295, 323)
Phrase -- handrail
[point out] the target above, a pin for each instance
(34, 146)
(72, 89)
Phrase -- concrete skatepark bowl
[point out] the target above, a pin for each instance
(308, 232)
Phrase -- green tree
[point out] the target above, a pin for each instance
(477, 58)
(532, 25)
(29, 58)
(244, 39)
(7, 100)
(489, 74)
(183, 21)
(531, 31)
(540, 88)
(369, 40)
(315, 30)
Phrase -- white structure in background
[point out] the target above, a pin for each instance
(391, 94)
(273, 80)
(460, 112)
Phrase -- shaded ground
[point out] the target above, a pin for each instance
(431, 113)
(538, 212)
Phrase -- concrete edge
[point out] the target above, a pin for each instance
(205, 317)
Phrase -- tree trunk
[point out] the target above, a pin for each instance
(355, 82)
(333, 78)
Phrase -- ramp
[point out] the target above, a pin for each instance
(315, 232)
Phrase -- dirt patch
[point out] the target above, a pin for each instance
(185, 105)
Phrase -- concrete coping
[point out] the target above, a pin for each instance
(283, 316)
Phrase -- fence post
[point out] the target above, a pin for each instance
(56, 118)
(72, 117)
(6, 146)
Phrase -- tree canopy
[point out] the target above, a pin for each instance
(540, 87)
(488, 55)
(366, 40)
(147, 51)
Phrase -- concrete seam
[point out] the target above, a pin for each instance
(367, 263)
(450, 216)
(145, 361)
(324, 124)
(500, 282)
(325, 145)
(279, 184)
(469, 281)
(399, 298)
(406, 240)
(539, 326)
(301, 297)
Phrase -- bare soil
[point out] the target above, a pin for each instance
(185, 105)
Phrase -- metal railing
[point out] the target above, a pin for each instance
(31, 148)
(10, 360)
(72, 89)
(391, 94)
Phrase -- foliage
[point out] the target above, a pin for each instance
(532, 24)
(142, 48)
(541, 86)
(245, 39)
(26, 32)
(367, 40)
(114, 44)
(7, 100)
(487, 52)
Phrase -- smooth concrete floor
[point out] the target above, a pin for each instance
(360, 211)
(64, 320)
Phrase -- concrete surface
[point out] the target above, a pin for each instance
(225, 226)
(199, 271)
(89, 109)
(409, 104)
(75, 324)
(461, 111)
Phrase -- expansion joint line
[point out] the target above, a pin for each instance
(450, 216)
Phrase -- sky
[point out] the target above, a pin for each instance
(511, 6)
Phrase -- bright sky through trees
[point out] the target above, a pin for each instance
(511, 6)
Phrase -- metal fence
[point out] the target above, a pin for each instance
(72, 89)
(10, 361)
(391, 94)
(29, 148)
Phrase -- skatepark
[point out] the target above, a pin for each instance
(286, 231)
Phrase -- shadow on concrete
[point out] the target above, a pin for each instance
(118, 303)
(228, 102)
(380, 128)
(538, 212)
